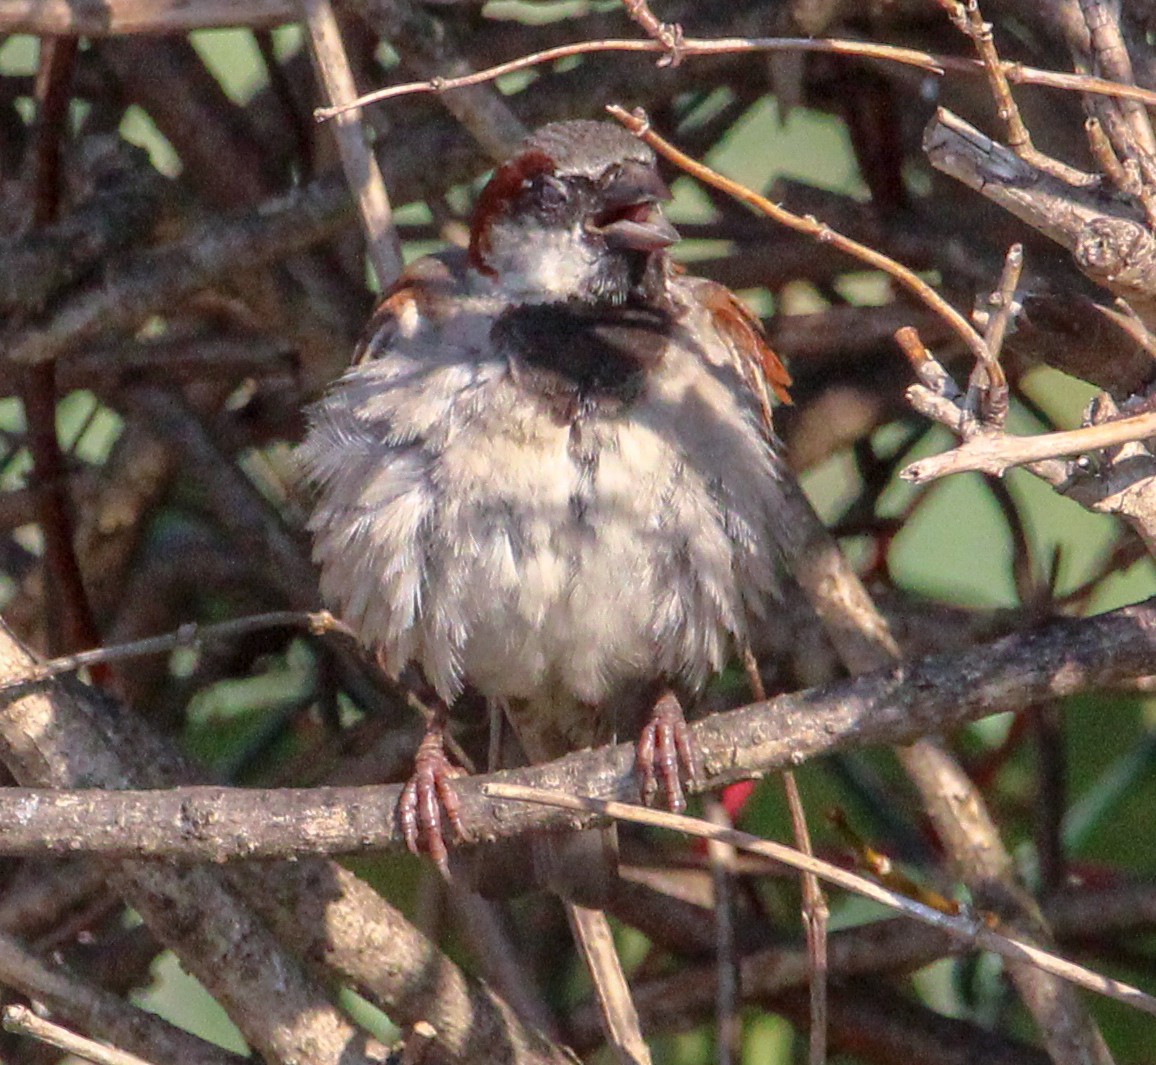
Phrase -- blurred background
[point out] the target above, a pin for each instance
(177, 404)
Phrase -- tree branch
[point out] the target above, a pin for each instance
(996, 453)
(888, 707)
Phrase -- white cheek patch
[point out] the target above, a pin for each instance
(543, 263)
(409, 319)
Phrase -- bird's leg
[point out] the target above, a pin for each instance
(665, 752)
(428, 794)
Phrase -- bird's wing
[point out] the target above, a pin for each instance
(759, 365)
(422, 296)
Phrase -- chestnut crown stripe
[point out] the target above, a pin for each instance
(508, 180)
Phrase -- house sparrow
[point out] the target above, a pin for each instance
(550, 473)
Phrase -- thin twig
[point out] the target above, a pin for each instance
(595, 942)
(317, 623)
(70, 619)
(862, 639)
(57, 736)
(997, 453)
(1016, 73)
(1110, 53)
(987, 387)
(639, 125)
(815, 910)
(1126, 179)
(361, 169)
(969, 20)
(1003, 299)
(972, 929)
(728, 1021)
(927, 367)
(668, 34)
(156, 279)
(428, 46)
(100, 1013)
(22, 1021)
(46, 18)
(815, 918)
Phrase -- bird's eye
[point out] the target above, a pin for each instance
(552, 193)
(610, 175)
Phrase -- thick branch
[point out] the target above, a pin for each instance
(55, 737)
(1108, 241)
(62, 734)
(100, 1013)
(153, 281)
(888, 707)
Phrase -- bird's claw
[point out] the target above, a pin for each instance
(427, 795)
(665, 753)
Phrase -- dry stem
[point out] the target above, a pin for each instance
(22, 1021)
(995, 453)
(639, 124)
(975, 930)
(361, 169)
(690, 47)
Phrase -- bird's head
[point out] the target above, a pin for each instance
(574, 215)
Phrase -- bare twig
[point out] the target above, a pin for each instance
(361, 169)
(1107, 238)
(594, 939)
(927, 368)
(592, 934)
(971, 929)
(1003, 300)
(1125, 178)
(987, 387)
(995, 454)
(501, 963)
(669, 35)
(22, 1021)
(931, 695)
(866, 953)
(347, 929)
(49, 736)
(815, 918)
(94, 1010)
(71, 623)
(157, 279)
(815, 910)
(427, 45)
(317, 623)
(45, 18)
(728, 1021)
(638, 124)
(690, 47)
(967, 18)
(861, 638)
(1111, 56)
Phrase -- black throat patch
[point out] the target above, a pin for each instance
(582, 359)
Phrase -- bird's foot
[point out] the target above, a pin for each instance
(427, 796)
(665, 753)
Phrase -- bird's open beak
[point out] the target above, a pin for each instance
(631, 218)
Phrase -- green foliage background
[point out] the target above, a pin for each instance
(957, 549)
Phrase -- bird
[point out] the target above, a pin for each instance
(550, 475)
